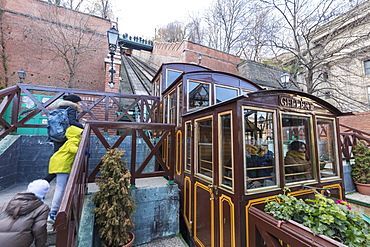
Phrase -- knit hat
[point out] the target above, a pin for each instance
(74, 98)
(39, 187)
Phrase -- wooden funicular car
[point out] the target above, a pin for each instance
(238, 145)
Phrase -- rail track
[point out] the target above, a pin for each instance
(136, 76)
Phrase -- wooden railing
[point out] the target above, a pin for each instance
(68, 218)
(277, 233)
(154, 135)
(349, 137)
(100, 106)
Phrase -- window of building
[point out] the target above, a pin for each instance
(298, 161)
(198, 95)
(225, 93)
(259, 149)
(204, 147)
(327, 147)
(367, 67)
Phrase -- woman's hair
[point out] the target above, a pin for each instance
(296, 145)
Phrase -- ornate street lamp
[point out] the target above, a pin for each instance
(261, 122)
(112, 35)
(284, 78)
(21, 75)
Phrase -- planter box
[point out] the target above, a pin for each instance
(272, 231)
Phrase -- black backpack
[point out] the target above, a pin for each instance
(58, 122)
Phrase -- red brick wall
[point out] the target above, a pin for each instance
(360, 120)
(187, 52)
(24, 47)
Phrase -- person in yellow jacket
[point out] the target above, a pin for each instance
(61, 164)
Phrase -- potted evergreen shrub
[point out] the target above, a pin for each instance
(361, 167)
(114, 204)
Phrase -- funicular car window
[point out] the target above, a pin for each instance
(259, 149)
(188, 135)
(198, 95)
(296, 136)
(204, 147)
(165, 110)
(225, 93)
(327, 144)
(225, 149)
(179, 105)
(172, 107)
(172, 75)
(156, 87)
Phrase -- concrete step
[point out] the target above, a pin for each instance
(51, 241)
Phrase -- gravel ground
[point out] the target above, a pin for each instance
(174, 241)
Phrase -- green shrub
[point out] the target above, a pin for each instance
(114, 205)
(361, 167)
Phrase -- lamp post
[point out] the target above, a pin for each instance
(112, 35)
(284, 78)
(21, 75)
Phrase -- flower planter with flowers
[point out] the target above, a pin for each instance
(322, 216)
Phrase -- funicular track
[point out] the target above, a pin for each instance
(145, 67)
(138, 74)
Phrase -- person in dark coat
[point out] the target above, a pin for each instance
(71, 103)
(297, 163)
(23, 219)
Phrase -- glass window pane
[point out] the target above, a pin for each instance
(223, 93)
(188, 147)
(172, 108)
(156, 88)
(204, 138)
(297, 148)
(225, 150)
(259, 149)
(198, 95)
(179, 105)
(325, 131)
(367, 67)
(172, 75)
(165, 110)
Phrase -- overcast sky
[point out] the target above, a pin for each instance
(142, 17)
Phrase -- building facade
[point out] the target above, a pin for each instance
(55, 46)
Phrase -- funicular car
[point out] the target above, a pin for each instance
(238, 145)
